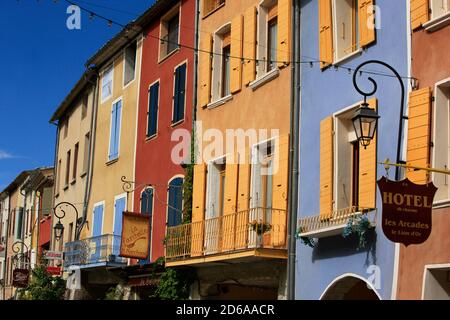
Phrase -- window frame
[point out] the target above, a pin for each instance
(126, 84)
(168, 198)
(151, 220)
(110, 68)
(213, 194)
(178, 121)
(262, 37)
(217, 64)
(445, 11)
(220, 4)
(164, 32)
(354, 29)
(75, 161)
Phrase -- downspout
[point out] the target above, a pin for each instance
(91, 157)
(196, 46)
(294, 156)
(5, 269)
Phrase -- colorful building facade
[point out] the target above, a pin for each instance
(337, 182)
(236, 240)
(424, 268)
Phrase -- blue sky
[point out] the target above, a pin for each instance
(41, 60)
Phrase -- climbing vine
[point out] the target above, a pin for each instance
(174, 284)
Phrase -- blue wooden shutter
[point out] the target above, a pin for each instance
(175, 202)
(119, 208)
(179, 93)
(114, 139)
(96, 233)
(152, 116)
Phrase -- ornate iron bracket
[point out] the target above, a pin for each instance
(60, 212)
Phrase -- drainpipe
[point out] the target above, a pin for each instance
(56, 179)
(91, 157)
(196, 45)
(5, 269)
(294, 155)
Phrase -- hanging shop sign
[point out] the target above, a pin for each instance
(20, 278)
(54, 255)
(406, 210)
(135, 235)
(54, 271)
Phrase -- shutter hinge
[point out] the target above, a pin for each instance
(431, 144)
(433, 98)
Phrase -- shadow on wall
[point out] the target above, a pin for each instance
(338, 246)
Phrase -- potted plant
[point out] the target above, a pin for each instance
(260, 227)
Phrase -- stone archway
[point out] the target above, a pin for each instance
(350, 287)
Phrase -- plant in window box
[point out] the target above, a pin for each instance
(260, 227)
(360, 227)
(307, 241)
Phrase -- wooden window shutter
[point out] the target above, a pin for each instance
(236, 54)
(284, 32)
(231, 188)
(198, 208)
(326, 168)
(419, 124)
(420, 13)
(243, 201)
(368, 170)
(280, 192)
(249, 45)
(205, 67)
(366, 22)
(325, 33)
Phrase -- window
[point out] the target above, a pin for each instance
(66, 182)
(147, 208)
(58, 178)
(65, 127)
(75, 161)
(86, 152)
(114, 138)
(175, 203)
(437, 282)
(84, 106)
(355, 172)
(179, 97)
(130, 63)
(221, 64)
(346, 27)
(70, 233)
(441, 134)
(262, 172)
(267, 36)
(19, 223)
(216, 188)
(439, 8)
(170, 26)
(107, 83)
(152, 111)
(211, 5)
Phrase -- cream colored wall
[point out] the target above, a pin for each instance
(268, 107)
(75, 191)
(106, 183)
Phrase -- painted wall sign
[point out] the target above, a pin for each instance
(20, 278)
(135, 235)
(56, 271)
(406, 210)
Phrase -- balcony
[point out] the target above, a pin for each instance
(321, 227)
(94, 252)
(245, 235)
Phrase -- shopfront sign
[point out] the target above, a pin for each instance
(407, 208)
(20, 278)
(55, 271)
(135, 235)
(54, 255)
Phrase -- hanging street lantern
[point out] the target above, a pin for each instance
(365, 122)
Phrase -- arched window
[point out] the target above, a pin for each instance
(175, 203)
(147, 208)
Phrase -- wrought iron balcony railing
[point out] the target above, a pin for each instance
(100, 249)
(250, 229)
(319, 225)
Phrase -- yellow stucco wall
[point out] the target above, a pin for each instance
(106, 183)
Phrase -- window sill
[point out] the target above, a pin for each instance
(214, 10)
(83, 174)
(220, 102)
(73, 181)
(174, 124)
(150, 138)
(167, 56)
(66, 187)
(264, 79)
(110, 162)
(126, 85)
(441, 203)
(348, 57)
(106, 99)
(437, 23)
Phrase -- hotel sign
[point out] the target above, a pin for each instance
(20, 278)
(135, 235)
(406, 210)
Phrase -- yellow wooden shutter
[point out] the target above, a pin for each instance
(368, 170)
(231, 186)
(419, 122)
(366, 22)
(325, 33)
(243, 201)
(205, 64)
(198, 209)
(280, 187)
(249, 45)
(420, 13)
(284, 32)
(326, 168)
(236, 54)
